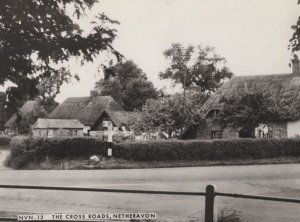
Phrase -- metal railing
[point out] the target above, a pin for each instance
(209, 195)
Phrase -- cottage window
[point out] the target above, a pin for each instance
(39, 133)
(75, 133)
(216, 134)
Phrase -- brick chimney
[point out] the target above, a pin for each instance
(296, 66)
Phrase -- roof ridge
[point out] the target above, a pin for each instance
(266, 75)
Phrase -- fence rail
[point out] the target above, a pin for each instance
(209, 195)
(288, 200)
(103, 190)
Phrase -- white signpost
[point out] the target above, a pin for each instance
(109, 139)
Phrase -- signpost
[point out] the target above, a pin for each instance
(109, 139)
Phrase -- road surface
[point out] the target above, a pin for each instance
(269, 180)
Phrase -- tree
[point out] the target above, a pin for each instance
(49, 86)
(127, 84)
(155, 116)
(37, 36)
(168, 114)
(207, 71)
(295, 40)
(245, 112)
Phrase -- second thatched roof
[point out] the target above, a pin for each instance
(284, 89)
(122, 117)
(86, 109)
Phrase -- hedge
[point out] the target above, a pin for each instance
(4, 140)
(37, 149)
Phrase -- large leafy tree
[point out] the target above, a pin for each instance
(295, 40)
(198, 67)
(127, 84)
(245, 112)
(49, 86)
(168, 113)
(37, 36)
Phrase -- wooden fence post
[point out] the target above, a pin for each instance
(209, 203)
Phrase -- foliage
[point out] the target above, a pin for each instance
(207, 71)
(37, 36)
(4, 140)
(36, 150)
(170, 113)
(127, 84)
(49, 85)
(246, 111)
(229, 215)
(155, 115)
(4, 111)
(295, 40)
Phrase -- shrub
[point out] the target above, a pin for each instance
(34, 150)
(4, 140)
(229, 215)
(208, 150)
(31, 149)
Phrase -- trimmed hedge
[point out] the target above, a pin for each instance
(37, 149)
(4, 140)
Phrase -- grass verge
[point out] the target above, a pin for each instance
(113, 163)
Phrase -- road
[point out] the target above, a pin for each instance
(269, 180)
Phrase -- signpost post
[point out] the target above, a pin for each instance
(109, 139)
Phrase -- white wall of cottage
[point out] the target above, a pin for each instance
(293, 128)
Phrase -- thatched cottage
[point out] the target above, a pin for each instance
(57, 128)
(88, 110)
(27, 115)
(283, 88)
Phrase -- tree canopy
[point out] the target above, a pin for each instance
(127, 84)
(194, 66)
(295, 40)
(37, 36)
(245, 112)
(168, 114)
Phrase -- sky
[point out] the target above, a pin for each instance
(252, 35)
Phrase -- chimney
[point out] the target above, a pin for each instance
(296, 66)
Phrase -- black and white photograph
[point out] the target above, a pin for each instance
(150, 110)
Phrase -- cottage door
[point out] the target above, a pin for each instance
(50, 133)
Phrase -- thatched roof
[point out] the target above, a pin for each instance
(122, 117)
(57, 124)
(86, 109)
(282, 88)
(30, 108)
(11, 121)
